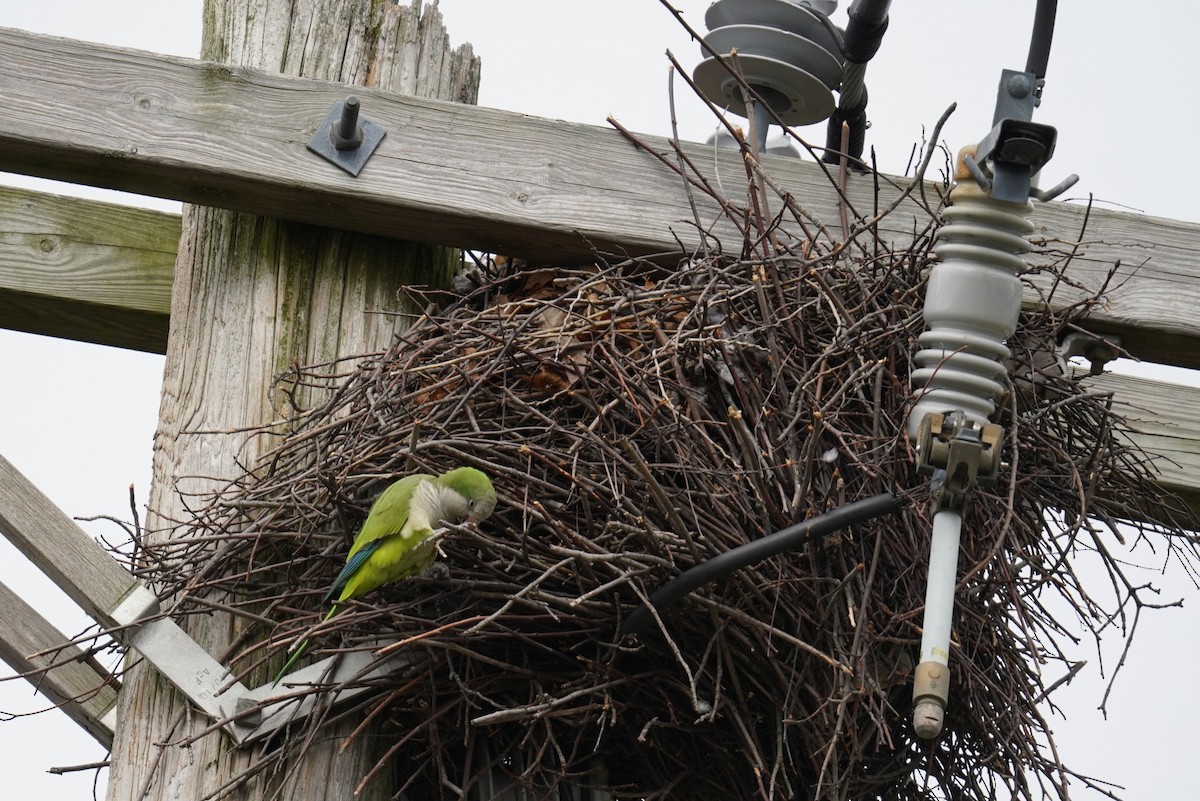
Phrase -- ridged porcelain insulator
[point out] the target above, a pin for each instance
(784, 50)
(972, 303)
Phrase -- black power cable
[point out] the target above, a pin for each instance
(786, 539)
(864, 32)
(1043, 34)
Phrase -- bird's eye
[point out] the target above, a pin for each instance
(471, 504)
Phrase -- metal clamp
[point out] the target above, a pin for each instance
(1098, 351)
(1016, 150)
(1016, 147)
(960, 453)
(345, 138)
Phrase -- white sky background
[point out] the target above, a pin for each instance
(79, 419)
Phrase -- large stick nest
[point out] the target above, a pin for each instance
(637, 421)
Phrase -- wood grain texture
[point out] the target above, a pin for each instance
(252, 297)
(1150, 266)
(60, 548)
(76, 685)
(1165, 419)
(234, 137)
(84, 270)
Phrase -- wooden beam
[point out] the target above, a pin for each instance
(452, 174)
(1166, 424)
(60, 548)
(73, 682)
(1152, 301)
(84, 270)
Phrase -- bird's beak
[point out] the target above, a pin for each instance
(472, 520)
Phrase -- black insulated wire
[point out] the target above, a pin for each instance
(868, 22)
(856, 120)
(1043, 34)
(787, 539)
(865, 29)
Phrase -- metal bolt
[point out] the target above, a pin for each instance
(346, 135)
(349, 121)
(249, 713)
(1019, 86)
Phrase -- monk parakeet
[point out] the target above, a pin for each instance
(393, 542)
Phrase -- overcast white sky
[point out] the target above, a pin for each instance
(79, 419)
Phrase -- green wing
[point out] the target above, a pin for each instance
(388, 515)
(386, 518)
(390, 512)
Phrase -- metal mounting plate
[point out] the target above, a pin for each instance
(264, 710)
(352, 161)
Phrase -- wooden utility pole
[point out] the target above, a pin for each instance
(253, 296)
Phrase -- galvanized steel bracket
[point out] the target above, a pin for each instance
(261, 712)
(246, 714)
(1099, 351)
(1016, 147)
(345, 138)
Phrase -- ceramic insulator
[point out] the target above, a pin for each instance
(971, 304)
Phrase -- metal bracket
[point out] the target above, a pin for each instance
(264, 710)
(960, 453)
(1099, 351)
(1016, 147)
(1019, 94)
(179, 658)
(345, 138)
(247, 715)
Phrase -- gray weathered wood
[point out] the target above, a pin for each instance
(234, 137)
(1153, 296)
(253, 296)
(84, 270)
(59, 547)
(1166, 422)
(124, 258)
(78, 686)
(101, 272)
(118, 261)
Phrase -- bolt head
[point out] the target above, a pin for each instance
(249, 712)
(1019, 86)
(353, 142)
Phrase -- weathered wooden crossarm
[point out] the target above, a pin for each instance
(129, 248)
(236, 138)
(1151, 298)
(50, 539)
(111, 595)
(87, 271)
(85, 693)
(1165, 424)
(475, 177)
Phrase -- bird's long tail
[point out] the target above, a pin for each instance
(300, 649)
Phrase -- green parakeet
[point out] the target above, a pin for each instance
(393, 542)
